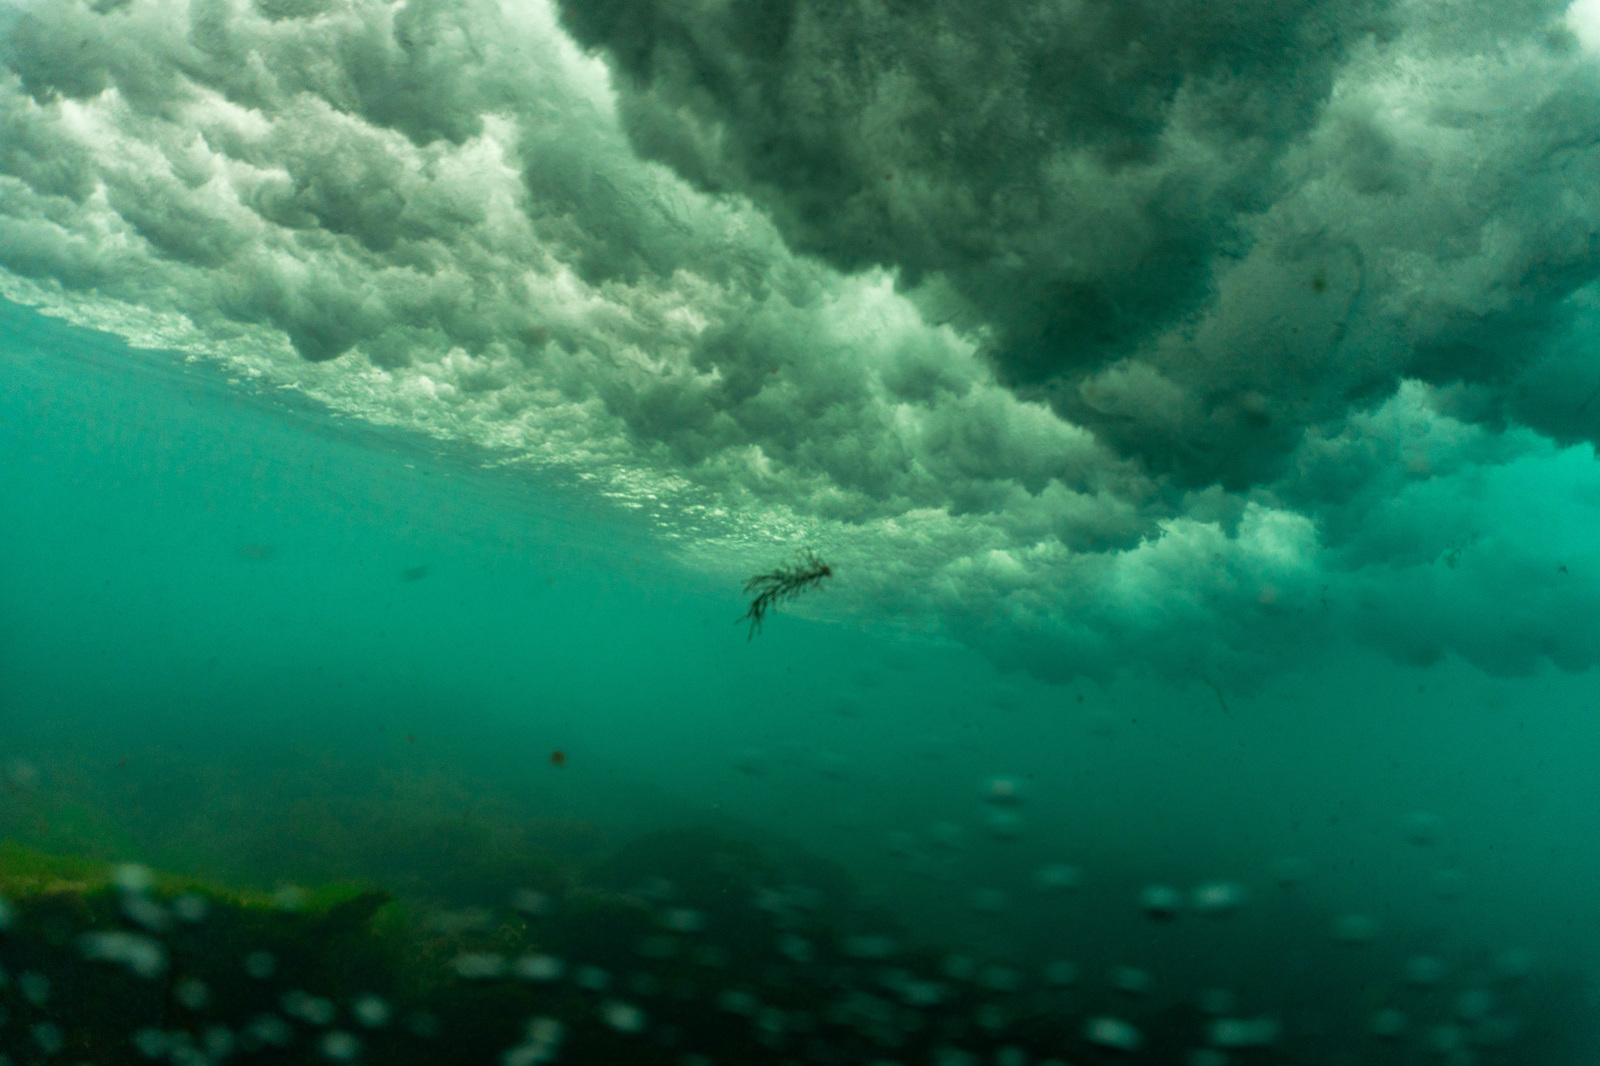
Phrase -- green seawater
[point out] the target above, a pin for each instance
(281, 697)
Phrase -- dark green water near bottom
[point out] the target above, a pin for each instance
(279, 702)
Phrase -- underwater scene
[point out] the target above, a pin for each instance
(786, 532)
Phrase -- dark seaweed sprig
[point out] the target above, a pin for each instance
(782, 583)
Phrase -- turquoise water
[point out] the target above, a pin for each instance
(225, 610)
(1195, 411)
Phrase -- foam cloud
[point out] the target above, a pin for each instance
(1192, 337)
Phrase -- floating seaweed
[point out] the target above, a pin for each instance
(783, 583)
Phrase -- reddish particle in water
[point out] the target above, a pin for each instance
(558, 758)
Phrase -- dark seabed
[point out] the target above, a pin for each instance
(1168, 434)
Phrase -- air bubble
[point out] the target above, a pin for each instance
(592, 978)
(1057, 877)
(190, 908)
(35, 988)
(1161, 902)
(313, 1010)
(529, 901)
(538, 967)
(1356, 929)
(340, 1046)
(479, 966)
(1388, 1024)
(623, 1017)
(269, 1029)
(1132, 980)
(47, 1036)
(1060, 972)
(1219, 898)
(1424, 970)
(683, 920)
(1243, 1032)
(371, 1011)
(1113, 1033)
(192, 993)
(1003, 791)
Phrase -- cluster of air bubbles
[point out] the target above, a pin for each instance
(971, 1006)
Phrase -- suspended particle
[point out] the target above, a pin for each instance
(531, 902)
(916, 993)
(991, 1016)
(738, 1001)
(1290, 871)
(1208, 1056)
(48, 1038)
(141, 954)
(1161, 902)
(796, 948)
(833, 766)
(527, 1055)
(869, 947)
(713, 955)
(150, 1042)
(538, 967)
(314, 1010)
(269, 1029)
(1061, 972)
(1004, 825)
(289, 898)
(945, 835)
(1424, 970)
(1010, 1056)
(1217, 1001)
(1449, 885)
(592, 978)
(192, 992)
(1132, 980)
(480, 965)
(1218, 898)
(545, 1032)
(1057, 877)
(423, 1024)
(998, 978)
(218, 1042)
(988, 901)
(145, 911)
(260, 965)
(1443, 1039)
(683, 920)
(1243, 1032)
(35, 988)
(658, 947)
(902, 845)
(7, 915)
(1422, 829)
(1387, 1024)
(1474, 1004)
(959, 967)
(1113, 1033)
(1002, 791)
(1514, 963)
(1356, 929)
(132, 877)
